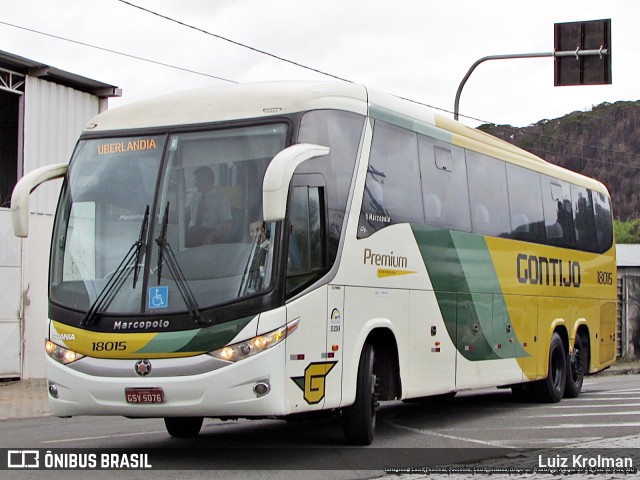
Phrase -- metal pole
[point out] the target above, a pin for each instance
(577, 53)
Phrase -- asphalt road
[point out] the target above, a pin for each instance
(468, 428)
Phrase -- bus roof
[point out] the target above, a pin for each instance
(233, 102)
(264, 100)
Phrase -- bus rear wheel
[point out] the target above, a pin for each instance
(576, 368)
(183, 427)
(359, 420)
(551, 389)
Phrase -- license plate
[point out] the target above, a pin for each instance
(144, 395)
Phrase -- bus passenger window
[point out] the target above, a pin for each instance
(604, 225)
(444, 183)
(583, 218)
(488, 195)
(525, 204)
(392, 192)
(558, 216)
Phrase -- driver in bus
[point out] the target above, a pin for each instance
(208, 211)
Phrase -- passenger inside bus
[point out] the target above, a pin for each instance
(208, 211)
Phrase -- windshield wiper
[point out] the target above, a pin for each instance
(113, 286)
(166, 255)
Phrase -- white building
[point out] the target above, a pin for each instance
(628, 260)
(42, 112)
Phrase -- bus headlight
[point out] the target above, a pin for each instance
(241, 350)
(61, 354)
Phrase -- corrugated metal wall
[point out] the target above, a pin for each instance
(54, 117)
(10, 293)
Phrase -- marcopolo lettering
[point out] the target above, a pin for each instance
(384, 260)
(548, 271)
(141, 325)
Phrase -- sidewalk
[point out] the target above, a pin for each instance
(28, 398)
(24, 399)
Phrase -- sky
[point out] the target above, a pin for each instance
(419, 49)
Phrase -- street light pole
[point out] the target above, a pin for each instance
(576, 53)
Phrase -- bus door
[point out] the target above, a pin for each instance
(313, 352)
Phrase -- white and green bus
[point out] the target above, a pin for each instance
(354, 248)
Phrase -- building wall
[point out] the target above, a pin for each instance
(54, 117)
(10, 291)
(35, 268)
(629, 313)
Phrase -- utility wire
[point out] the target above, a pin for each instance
(257, 50)
(277, 57)
(308, 68)
(117, 52)
(583, 145)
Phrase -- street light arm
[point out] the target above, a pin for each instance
(456, 106)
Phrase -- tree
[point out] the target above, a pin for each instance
(627, 231)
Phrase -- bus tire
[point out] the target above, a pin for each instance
(576, 368)
(183, 427)
(551, 389)
(359, 420)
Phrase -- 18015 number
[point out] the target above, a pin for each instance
(108, 346)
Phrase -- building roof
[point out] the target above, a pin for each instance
(25, 66)
(628, 255)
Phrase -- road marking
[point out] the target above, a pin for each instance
(607, 405)
(583, 414)
(560, 425)
(542, 441)
(595, 399)
(617, 392)
(67, 440)
(441, 435)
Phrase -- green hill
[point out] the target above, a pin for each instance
(603, 143)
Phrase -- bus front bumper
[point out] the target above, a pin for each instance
(253, 387)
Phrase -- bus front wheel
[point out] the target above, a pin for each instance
(183, 427)
(551, 389)
(359, 420)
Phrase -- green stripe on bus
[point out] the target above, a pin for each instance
(468, 292)
(200, 340)
(403, 121)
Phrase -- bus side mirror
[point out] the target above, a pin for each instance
(22, 190)
(275, 187)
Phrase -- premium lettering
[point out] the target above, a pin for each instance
(384, 260)
(548, 271)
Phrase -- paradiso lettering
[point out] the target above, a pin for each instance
(130, 146)
(548, 271)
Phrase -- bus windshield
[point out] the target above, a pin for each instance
(202, 244)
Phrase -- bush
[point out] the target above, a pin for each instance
(627, 231)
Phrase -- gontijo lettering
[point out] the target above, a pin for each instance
(130, 146)
(548, 271)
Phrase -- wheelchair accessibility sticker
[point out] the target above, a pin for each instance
(158, 297)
